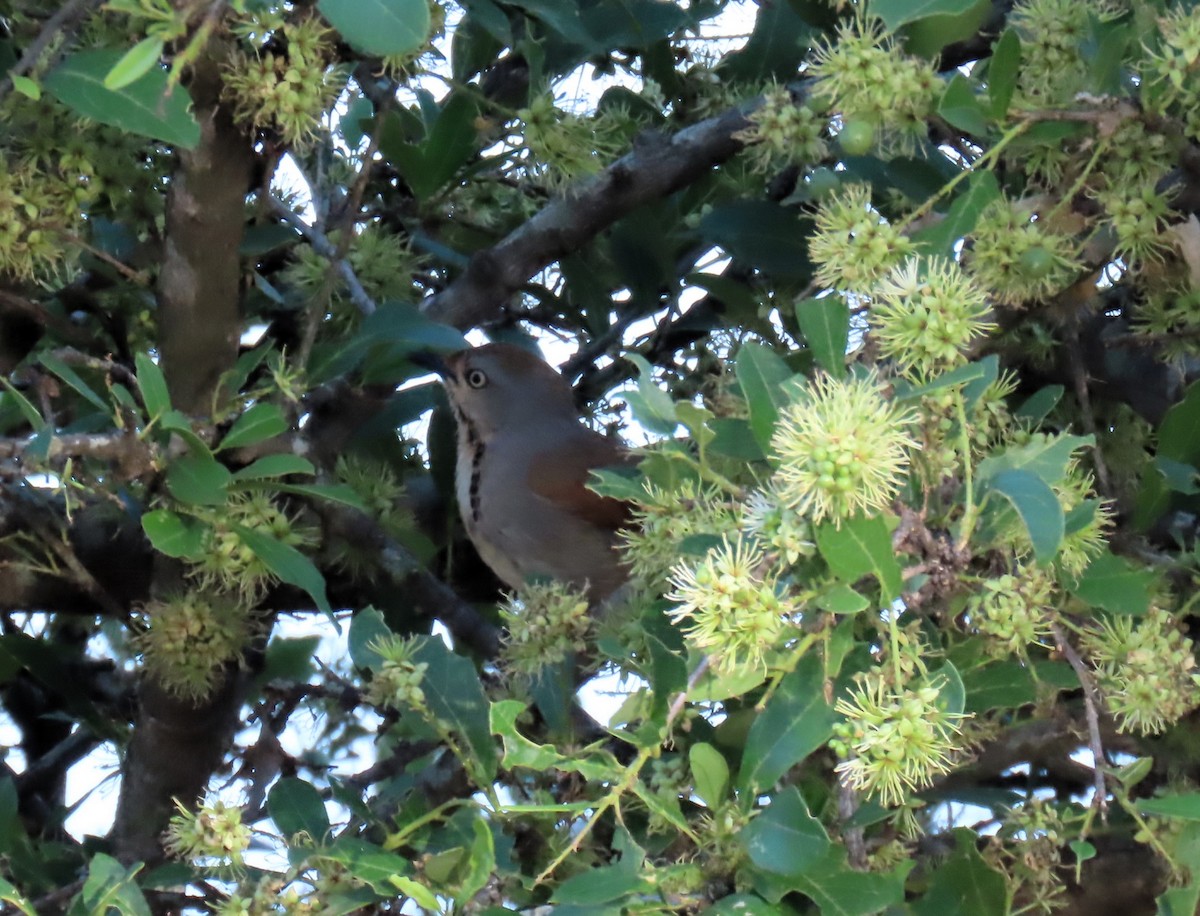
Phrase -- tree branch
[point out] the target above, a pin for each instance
(657, 167)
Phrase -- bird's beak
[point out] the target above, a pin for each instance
(434, 362)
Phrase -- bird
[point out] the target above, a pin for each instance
(524, 458)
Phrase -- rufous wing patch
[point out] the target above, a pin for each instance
(561, 474)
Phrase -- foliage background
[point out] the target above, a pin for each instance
(906, 291)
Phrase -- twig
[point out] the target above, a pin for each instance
(322, 246)
(1091, 701)
(680, 701)
(320, 302)
(64, 19)
(137, 277)
(405, 574)
(33, 510)
(656, 167)
(1079, 382)
(74, 357)
(847, 805)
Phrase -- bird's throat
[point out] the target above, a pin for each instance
(470, 465)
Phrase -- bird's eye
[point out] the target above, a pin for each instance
(476, 378)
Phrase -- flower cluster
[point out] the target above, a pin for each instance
(894, 741)
(842, 448)
(782, 131)
(1016, 257)
(189, 639)
(731, 604)
(853, 246)
(1147, 670)
(397, 680)
(546, 622)
(564, 147)
(1052, 31)
(664, 519)
(229, 564)
(926, 313)
(1012, 609)
(777, 525)
(1028, 849)
(290, 92)
(213, 832)
(865, 78)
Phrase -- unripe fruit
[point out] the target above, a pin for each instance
(856, 137)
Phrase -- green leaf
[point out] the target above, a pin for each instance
(1048, 458)
(153, 385)
(417, 892)
(334, 492)
(948, 682)
(71, 377)
(367, 628)
(762, 233)
(964, 883)
(710, 773)
(795, 723)
(597, 886)
(27, 87)
(761, 373)
(741, 905)
(1177, 476)
(1009, 684)
(1039, 404)
(260, 422)
(150, 106)
(843, 891)
(177, 422)
(198, 480)
(651, 406)
(134, 64)
(370, 864)
(1184, 806)
(110, 886)
(1037, 505)
(825, 324)
(981, 372)
(275, 466)
(480, 864)
(456, 698)
(288, 659)
(861, 547)
(1002, 71)
(27, 410)
(12, 896)
(734, 438)
(695, 420)
(1179, 433)
(785, 838)
(775, 50)
(296, 807)
(1116, 585)
(960, 107)
(896, 13)
(926, 37)
(287, 563)
(379, 27)
(452, 140)
(174, 534)
(981, 190)
(840, 598)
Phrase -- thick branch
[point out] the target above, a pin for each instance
(198, 294)
(430, 596)
(657, 166)
(176, 745)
